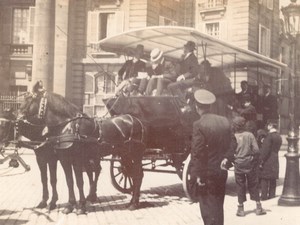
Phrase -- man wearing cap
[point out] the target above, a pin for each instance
(269, 105)
(130, 70)
(163, 73)
(212, 142)
(188, 69)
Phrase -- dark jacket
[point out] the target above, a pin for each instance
(131, 69)
(189, 66)
(269, 107)
(269, 156)
(169, 71)
(210, 145)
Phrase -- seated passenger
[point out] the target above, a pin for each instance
(130, 70)
(163, 73)
(188, 69)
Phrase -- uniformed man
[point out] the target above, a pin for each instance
(212, 142)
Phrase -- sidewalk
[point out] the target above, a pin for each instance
(162, 199)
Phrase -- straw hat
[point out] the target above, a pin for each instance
(156, 54)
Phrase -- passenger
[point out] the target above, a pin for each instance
(188, 69)
(164, 74)
(130, 70)
(269, 164)
(211, 142)
(245, 92)
(246, 166)
(268, 105)
(248, 111)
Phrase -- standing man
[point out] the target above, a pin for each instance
(188, 70)
(269, 164)
(211, 142)
(269, 105)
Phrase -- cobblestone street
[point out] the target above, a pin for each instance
(162, 201)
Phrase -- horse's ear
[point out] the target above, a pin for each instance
(38, 87)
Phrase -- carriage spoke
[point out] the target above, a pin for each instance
(125, 182)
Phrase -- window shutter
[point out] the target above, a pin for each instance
(93, 27)
(119, 19)
(31, 24)
(7, 24)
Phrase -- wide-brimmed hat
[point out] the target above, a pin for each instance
(139, 50)
(190, 45)
(156, 54)
(204, 97)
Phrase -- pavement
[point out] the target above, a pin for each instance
(162, 201)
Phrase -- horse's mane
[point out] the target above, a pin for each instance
(60, 105)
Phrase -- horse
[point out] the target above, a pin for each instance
(45, 156)
(122, 135)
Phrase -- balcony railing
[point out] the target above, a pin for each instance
(21, 50)
(209, 4)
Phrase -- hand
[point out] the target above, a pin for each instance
(223, 165)
(181, 77)
(199, 182)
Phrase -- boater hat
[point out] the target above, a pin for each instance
(204, 97)
(156, 54)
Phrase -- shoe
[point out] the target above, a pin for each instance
(259, 210)
(240, 211)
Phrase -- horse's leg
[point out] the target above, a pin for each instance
(67, 167)
(42, 164)
(78, 169)
(93, 175)
(53, 180)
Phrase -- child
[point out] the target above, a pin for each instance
(269, 165)
(246, 166)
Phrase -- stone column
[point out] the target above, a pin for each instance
(62, 41)
(43, 53)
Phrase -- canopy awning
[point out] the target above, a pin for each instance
(170, 40)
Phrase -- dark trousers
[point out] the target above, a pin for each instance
(244, 180)
(159, 83)
(212, 200)
(178, 89)
(268, 188)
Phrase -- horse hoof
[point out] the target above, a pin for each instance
(92, 198)
(133, 206)
(68, 209)
(52, 206)
(81, 211)
(42, 205)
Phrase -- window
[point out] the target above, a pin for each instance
(264, 41)
(104, 24)
(213, 29)
(267, 3)
(163, 21)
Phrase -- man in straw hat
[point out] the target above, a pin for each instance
(163, 73)
(212, 142)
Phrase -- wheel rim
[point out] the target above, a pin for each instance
(119, 176)
(186, 179)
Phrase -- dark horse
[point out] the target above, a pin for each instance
(123, 135)
(45, 156)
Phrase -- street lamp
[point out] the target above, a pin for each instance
(291, 187)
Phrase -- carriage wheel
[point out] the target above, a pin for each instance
(179, 171)
(119, 176)
(186, 178)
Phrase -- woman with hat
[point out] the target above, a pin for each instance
(163, 73)
(130, 70)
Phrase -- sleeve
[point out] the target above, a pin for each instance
(254, 145)
(265, 149)
(170, 71)
(232, 147)
(122, 71)
(198, 153)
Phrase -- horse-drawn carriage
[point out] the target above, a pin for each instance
(142, 131)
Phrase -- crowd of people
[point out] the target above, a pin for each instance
(227, 132)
